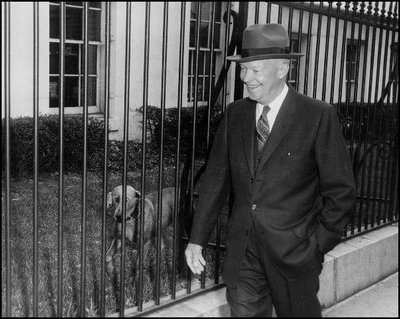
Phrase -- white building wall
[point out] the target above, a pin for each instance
(21, 56)
(21, 85)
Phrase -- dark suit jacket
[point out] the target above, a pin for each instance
(299, 196)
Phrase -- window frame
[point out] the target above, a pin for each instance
(203, 77)
(98, 75)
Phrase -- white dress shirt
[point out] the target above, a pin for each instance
(275, 106)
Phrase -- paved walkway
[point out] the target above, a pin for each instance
(378, 300)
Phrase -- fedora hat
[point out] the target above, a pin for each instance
(264, 41)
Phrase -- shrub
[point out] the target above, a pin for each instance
(22, 144)
(171, 128)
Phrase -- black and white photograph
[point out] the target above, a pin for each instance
(199, 159)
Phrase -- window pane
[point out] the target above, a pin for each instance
(207, 81)
(92, 91)
(71, 58)
(192, 40)
(94, 25)
(54, 21)
(218, 11)
(92, 60)
(53, 91)
(71, 91)
(189, 90)
(74, 23)
(205, 11)
(191, 55)
(75, 3)
(217, 35)
(54, 58)
(201, 62)
(204, 35)
(193, 11)
(95, 4)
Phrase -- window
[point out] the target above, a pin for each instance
(74, 53)
(352, 62)
(293, 76)
(205, 49)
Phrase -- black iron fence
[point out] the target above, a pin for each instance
(351, 61)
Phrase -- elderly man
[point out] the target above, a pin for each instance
(283, 157)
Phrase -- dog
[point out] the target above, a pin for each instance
(149, 213)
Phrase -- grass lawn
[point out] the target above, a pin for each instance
(21, 215)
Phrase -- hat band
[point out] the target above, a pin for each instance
(259, 51)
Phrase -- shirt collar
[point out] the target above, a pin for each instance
(276, 104)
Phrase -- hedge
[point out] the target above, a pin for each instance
(22, 143)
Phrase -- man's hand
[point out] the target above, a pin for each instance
(194, 258)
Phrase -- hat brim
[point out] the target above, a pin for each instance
(239, 58)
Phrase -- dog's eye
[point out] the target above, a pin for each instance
(117, 200)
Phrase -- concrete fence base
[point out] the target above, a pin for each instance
(352, 266)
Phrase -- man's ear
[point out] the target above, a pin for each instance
(284, 67)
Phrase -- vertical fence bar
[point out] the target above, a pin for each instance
(348, 80)
(84, 180)
(195, 102)
(371, 162)
(383, 126)
(257, 12)
(394, 180)
(224, 90)
(35, 280)
(105, 168)
(125, 167)
(334, 55)
(356, 157)
(61, 168)
(317, 52)
(210, 91)
(160, 180)
(279, 13)
(144, 141)
(369, 122)
(363, 213)
(210, 74)
(268, 19)
(309, 35)
(343, 59)
(299, 38)
(178, 153)
(391, 183)
(328, 34)
(7, 168)
(290, 22)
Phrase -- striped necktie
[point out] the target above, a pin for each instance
(262, 128)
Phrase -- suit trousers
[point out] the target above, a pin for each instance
(260, 287)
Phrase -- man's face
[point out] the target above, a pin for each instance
(263, 79)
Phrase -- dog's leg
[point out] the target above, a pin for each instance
(112, 271)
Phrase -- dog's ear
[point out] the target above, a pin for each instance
(138, 194)
(109, 200)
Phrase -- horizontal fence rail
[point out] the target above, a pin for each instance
(102, 232)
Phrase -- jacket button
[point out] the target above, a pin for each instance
(247, 232)
(254, 206)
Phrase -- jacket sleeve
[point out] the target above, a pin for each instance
(337, 183)
(214, 187)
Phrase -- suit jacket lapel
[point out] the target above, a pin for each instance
(281, 126)
(248, 129)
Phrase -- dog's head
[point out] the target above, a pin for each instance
(114, 199)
